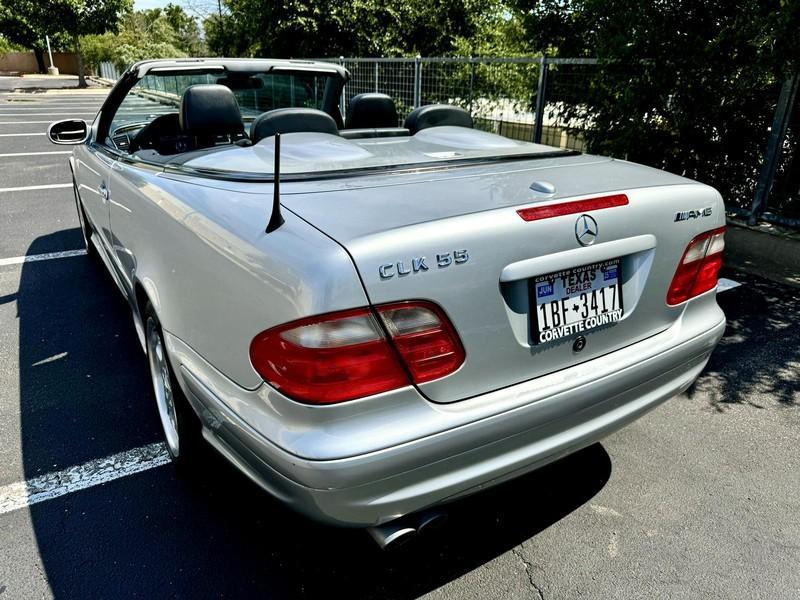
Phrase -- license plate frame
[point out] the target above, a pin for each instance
(559, 291)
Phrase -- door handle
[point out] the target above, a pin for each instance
(103, 192)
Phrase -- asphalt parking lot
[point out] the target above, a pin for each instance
(698, 499)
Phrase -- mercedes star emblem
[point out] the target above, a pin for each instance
(585, 230)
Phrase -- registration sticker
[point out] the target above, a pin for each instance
(574, 301)
(544, 290)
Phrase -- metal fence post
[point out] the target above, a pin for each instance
(417, 81)
(376, 76)
(471, 81)
(540, 93)
(780, 124)
(341, 102)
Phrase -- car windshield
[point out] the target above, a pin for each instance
(160, 93)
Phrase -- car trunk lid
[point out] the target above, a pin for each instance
(456, 239)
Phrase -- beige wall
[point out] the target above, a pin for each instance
(25, 62)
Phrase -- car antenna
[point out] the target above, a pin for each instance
(276, 219)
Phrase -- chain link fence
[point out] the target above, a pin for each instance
(500, 93)
(785, 194)
(108, 70)
(777, 193)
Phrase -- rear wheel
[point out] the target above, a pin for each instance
(182, 431)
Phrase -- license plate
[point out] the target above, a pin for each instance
(574, 301)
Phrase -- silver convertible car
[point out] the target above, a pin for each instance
(372, 318)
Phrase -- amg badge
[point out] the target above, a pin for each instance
(422, 263)
(687, 215)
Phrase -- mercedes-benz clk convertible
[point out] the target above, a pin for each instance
(372, 318)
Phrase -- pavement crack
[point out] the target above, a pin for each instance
(529, 571)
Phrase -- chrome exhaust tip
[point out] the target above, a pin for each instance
(396, 533)
(431, 521)
(392, 535)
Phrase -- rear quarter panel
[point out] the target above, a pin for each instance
(215, 277)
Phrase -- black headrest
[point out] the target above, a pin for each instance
(371, 111)
(291, 120)
(436, 115)
(210, 109)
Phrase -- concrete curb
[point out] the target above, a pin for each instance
(768, 251)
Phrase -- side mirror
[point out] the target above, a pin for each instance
(70, 131)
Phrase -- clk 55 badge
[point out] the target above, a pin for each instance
(422, 263)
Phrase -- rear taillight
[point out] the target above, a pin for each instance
(700, 264)
(346, 355)
(424, 338)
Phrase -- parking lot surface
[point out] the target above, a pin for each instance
(698, 499)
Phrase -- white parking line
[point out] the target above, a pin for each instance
(23, 122)
(84, 110)
(13, 154)
(25, 188)
(723, 285)
(32, 101)
(60, 93)
(19, 134)
(18, 260)
(24, 100)
(49, 101)
(8, 101)
(45, 114)
(95, 472)
(48, 105)
(52, 101)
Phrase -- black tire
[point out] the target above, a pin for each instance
(181, 426)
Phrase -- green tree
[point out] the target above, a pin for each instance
(687, 85)
(316, 28)
(187, 31)
(86, 17)
(215, 27)
(23, 22)
(27, 22)
(494, 32)
(154, 33)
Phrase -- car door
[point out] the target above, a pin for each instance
(92, 174)
(121, 188)
(126, 213)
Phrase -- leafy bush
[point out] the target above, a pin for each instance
(7, 46)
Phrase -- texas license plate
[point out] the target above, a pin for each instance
(574, 301)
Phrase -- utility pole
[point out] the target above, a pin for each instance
(52, 69)
(221, 27)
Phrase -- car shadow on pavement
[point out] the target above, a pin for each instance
(215, 534)
(759, 355)
(82, 375)
(84, 394)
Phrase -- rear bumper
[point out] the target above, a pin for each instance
(547, 418)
